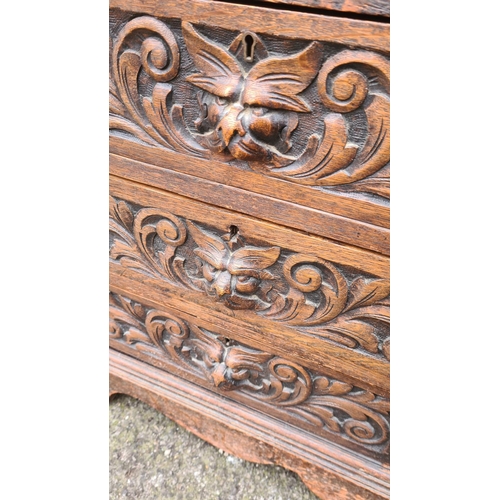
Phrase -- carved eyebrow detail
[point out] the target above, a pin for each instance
(274, 82)
(280, 78)
(219, 71)
(211, 59)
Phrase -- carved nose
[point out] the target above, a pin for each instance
(222, 284)
(218, 375)
(231, 124)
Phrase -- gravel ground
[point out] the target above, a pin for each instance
(151, 457)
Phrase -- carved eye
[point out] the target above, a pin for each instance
(209, 271)
(247, 284)
(221, 101)
(257, 111)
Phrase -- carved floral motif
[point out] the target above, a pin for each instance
(356, 414)
(250, 102)
(303, 291)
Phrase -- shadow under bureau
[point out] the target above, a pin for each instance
(249, 229)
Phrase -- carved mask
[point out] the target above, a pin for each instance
(227, 365)
(233, 275)
(250, 113)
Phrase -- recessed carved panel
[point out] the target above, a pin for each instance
(328, 406)
(309, 112)
(314, 296)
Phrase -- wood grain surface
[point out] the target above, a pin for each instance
(352, 32)
(367, 7)
(249, 229)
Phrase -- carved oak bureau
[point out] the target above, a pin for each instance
(249, 229)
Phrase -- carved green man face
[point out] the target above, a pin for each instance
(230, 274)
(250, 113)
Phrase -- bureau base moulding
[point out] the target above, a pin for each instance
(328, 471)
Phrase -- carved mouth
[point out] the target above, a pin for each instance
(246, 149)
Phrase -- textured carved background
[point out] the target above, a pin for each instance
(253, 100)
(329, 407)
(315, 296)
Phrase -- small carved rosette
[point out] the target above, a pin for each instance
(253, 100)
(308, 293)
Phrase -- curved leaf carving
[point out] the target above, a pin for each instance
(327, 404)
(147, 45)
(299, 290)
(334, 160)
(251, 103)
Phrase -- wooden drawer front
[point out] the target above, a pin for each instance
(296, 294)
(306, 113)
(183, 345)
(369, 7)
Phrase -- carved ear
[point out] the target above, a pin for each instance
(211, 348)
(275, 82)
(220, 71)
(211, 248)
(252, 260)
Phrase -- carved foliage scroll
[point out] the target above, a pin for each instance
(253, 100)
(313, 295)
(323, 403)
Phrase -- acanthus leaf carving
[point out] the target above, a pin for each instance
(356, 414)
(147, 46)
(335, 161)
(303, 273)
(251, 101)
(299, 290)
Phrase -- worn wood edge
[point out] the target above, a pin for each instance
(249, 434)
(212, 170)
(368, 7)
(281, 212)
(311, 352)
(245, 399)
(350, 32)
(281, 235)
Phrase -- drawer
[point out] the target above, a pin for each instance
(188, 346)
(367, 7)
(249, 101)
(296, 295)
(299, 345)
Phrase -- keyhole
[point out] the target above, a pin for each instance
(249, 46)
(233, 231)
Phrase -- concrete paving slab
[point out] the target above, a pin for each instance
(151, 457)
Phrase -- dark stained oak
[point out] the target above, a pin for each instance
(249, 216)
(329, 406)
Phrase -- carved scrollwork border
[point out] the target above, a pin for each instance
(315, 296)
(246, 103)
(334, 406)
